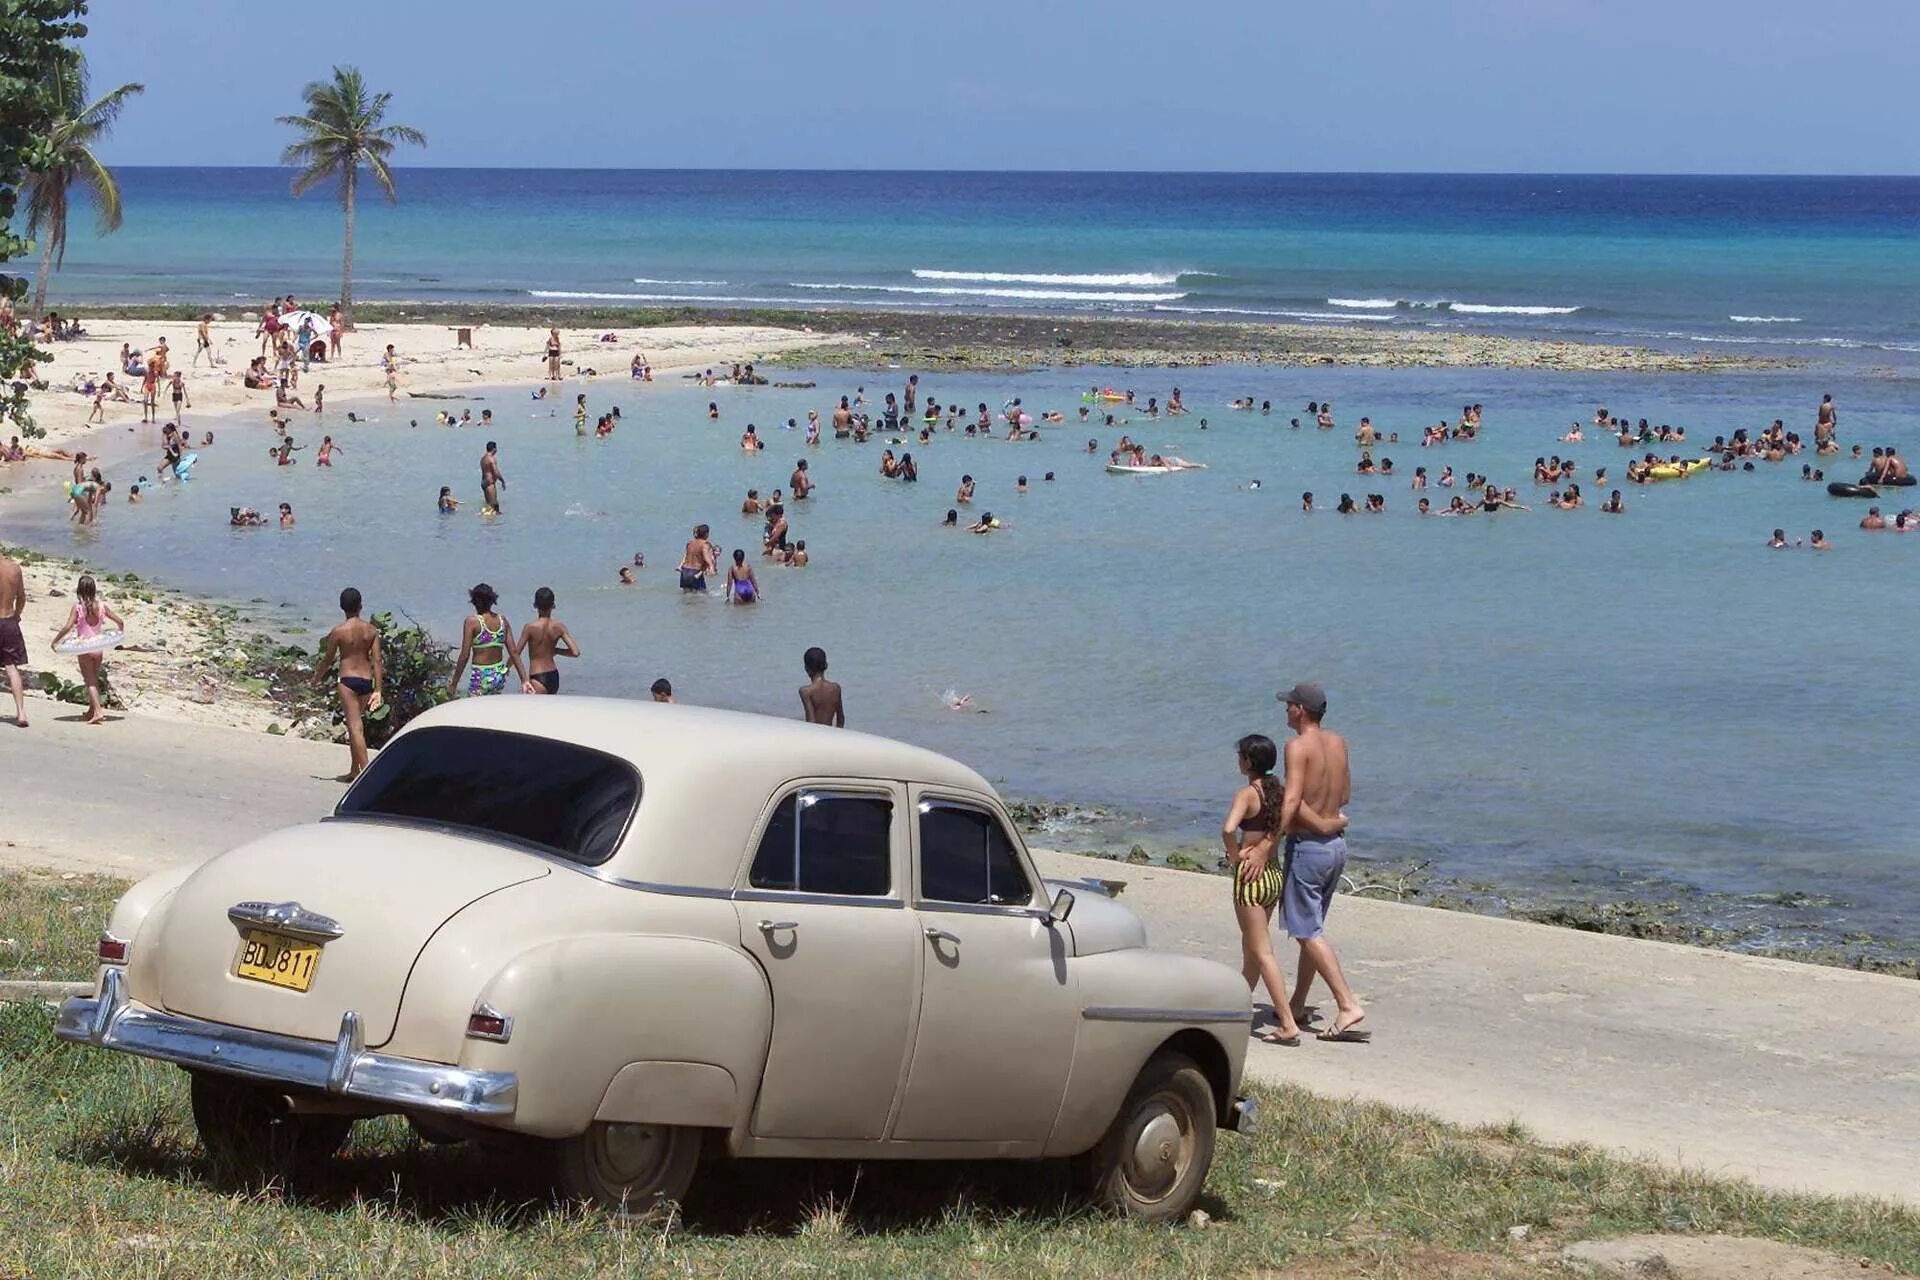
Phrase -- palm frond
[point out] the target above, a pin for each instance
(104, 110)
(98, 182)
(383, 175)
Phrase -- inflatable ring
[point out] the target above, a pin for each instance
(1839, 490)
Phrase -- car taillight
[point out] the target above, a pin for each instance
(112, 950)
(488, 1023)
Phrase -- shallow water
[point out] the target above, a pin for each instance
(1532, 698)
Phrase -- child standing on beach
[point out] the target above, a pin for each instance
(89, 611)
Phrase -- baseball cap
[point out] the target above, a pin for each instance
(1306, 695)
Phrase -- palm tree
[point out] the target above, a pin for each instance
(342, 130)
(49, 192)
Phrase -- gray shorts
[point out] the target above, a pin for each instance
(1314, 864)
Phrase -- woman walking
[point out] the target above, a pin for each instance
(1251, 834)
(486, 639)
(85, 624)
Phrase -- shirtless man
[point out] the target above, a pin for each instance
(13, 646)
(1317, 782)
(1827, 421)
(697, 561)
(491, 477)
(541, 640)
(356, 646)
(800, 482)
(820, 697)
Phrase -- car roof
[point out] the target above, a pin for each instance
(693, 761)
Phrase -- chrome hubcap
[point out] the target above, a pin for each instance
(1159, 1153)
(632, 1155)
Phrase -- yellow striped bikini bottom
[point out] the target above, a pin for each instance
(1262, 890)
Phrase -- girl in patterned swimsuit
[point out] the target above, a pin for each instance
(486, 635)
(1251, 836)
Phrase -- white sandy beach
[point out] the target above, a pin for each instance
(430, 362)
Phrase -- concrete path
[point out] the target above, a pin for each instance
(1796, 1076)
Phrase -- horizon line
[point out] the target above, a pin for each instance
(1038, 172)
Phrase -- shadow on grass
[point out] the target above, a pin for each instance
(462, 1184)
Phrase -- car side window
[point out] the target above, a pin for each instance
(827, 843)
(967, 856)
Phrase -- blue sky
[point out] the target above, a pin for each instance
(1450, 85)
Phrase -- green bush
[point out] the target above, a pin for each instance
(416, 671)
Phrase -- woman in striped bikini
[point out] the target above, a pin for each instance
(1251, 835)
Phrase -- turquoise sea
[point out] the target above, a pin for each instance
(1826, 264)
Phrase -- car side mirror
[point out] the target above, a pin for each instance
(1062, 907)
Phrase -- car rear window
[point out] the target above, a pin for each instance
(561, 798)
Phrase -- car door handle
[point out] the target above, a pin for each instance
(940, 935)
(778, 926)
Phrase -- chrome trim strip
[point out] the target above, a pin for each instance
(650, 886)
(112, 1021)
(818, 899)
(981, 908)
(1122, 1013)
(285, 917)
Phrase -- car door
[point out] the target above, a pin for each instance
(998, 1009)
(823, 908)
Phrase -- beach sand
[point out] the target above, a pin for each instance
(430, 363)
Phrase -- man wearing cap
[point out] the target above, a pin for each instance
(1317, 782)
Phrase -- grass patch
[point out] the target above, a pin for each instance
(104, 1176)
(50, 922)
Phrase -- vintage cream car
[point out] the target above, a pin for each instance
(640, 933)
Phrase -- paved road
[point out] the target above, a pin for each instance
(1792, 1075)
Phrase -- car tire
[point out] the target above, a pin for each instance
(632, 1171)
(1152, 1162)
(251, 1126)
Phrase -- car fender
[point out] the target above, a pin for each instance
(1134, 1003)
(671, 1030)
(137, 919)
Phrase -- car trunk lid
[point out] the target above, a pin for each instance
(368, 895)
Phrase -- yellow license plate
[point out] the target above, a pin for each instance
(278, 959)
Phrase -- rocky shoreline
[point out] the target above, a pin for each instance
(1782, 926)
(1013, 342)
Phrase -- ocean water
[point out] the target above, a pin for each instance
(1534, 700)
(1790, 265)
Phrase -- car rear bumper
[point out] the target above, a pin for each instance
(343, 1068)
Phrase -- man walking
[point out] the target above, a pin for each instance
(1318, 787)
(13, 646)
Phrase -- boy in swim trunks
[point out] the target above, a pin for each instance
(355, 646)
(1318, 781)
(13, 646)
(542, 640)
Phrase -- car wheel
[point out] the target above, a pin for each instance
(251, 1125)
(629, 1170)
(1152, 1162)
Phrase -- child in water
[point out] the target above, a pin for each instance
(741, 587)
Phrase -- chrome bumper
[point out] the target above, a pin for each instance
(1243, 1117)
(343, 1068)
